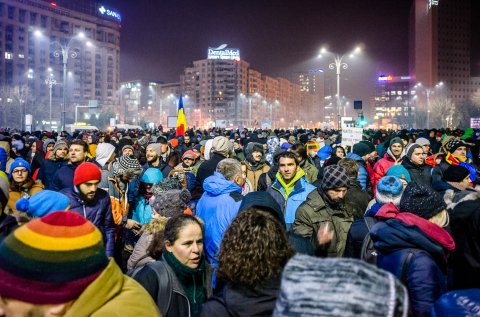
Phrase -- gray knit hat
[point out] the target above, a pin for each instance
(171, 203)
(314, 286)
(127, 165)
(166, 184)
(222, 145)
(334, 176)
(157, 147)
(58, 145)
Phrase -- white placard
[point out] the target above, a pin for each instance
(350, 136)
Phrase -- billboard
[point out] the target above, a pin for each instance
(222, 52)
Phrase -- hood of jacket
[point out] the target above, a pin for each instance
(354, 157)
(389, 155)
(151, 176)
(324, 152)
(408, 164)
(217, 184)
(249, 149)
(462, 204)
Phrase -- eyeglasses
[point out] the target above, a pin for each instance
(20, 171)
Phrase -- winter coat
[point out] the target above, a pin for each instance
(239, 301)
(142, 212)
(356, 199)
(311, 172)
(314, 212)
(48, 170)
(163, 167)
(254, 172)
(290, 204)
(363, 176)
(437, 175)
(463, 209)
(179, 303)
(98, 211)
(266, 179)
(63, 177)
(30, 188)
(457, 304)
(113, 294)
(217, 207)
(397, 239)
(118, 196)
(420, 174)
(207, 169)
(381, 168)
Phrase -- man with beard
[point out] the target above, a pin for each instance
(77, 154)
(155, 153)
(255, 163)
(324, 211)
(92, 203)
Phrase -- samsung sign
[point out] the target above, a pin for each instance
(110, 13)
(222, 52)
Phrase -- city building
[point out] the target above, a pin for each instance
(312, 87)
(69, 50)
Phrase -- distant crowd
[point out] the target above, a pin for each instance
(240, 223)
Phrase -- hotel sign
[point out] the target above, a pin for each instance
(110, 13)
(222, 52)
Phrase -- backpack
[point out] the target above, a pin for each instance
(165, 287)
(368, 253)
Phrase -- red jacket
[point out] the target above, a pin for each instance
(381, 168)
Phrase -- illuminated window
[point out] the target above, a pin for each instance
(8, 55)
(21, 56)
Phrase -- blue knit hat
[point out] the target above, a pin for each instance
(399, 171)
(19, 162)
(389, 190)
(43, 203)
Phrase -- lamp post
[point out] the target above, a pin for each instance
(50, 82)
(338, 64)
(428, 91)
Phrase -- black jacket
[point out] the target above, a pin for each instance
(420, 174)
(205, 170)
(48, 170)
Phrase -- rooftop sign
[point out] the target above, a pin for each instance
(110, 13)
(222, 52)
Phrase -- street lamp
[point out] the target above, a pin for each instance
(50, 82)
(338, 64)
(428, 91)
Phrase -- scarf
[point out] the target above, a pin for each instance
(289, 187)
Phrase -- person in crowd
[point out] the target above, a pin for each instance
(311, 172)
(414, 163)
(142, 211)
(338, 287)
(21, 183)
(105, 155)
(356, 199)
(324, 210)
(219, 204)
(313, 147)
(394, 155)
(411, 242)
(221, 148)
(457, 179)
(184, 170)
(361, 153)
(91, 202)
(266, 179)
(255, 163)
(254, 238)
(77, 154)
(48, 146)
(57, 266)
(55, 161)
(290, 188)
(154, 154)
(425, 144)
(165, 205)
(128, 150)
(180, 281)
(36, 156)
(400, 172)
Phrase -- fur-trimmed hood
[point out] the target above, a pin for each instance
(469, 199)
(155, 225)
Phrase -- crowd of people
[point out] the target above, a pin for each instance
(240, 223)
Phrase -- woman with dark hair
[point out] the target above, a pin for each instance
(254, 250)
(180, 281)
(36, 156)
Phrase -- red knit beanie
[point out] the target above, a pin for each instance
(86, 172)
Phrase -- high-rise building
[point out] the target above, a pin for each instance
(76, 43)
(312, 87)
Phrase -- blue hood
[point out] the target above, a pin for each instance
(151, 176)
(324, 152)
(217, 185)
(354, 156)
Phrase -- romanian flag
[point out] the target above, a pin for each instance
(181, 120)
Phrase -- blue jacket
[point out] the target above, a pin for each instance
(142, 212)
(298, 195)
(458, 304)
(47, 171)
(362, 177)
(425, 276)
(98, 211)
(63, 177)
(217, 207)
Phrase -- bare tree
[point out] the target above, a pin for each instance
(441, 111)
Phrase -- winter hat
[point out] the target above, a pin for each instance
(338, 287)
(86, 172)
(453, 145)
(363, 148)
(173, 142)
(285, 146)
(422, 141)
(128, 146)
(312, 146)
(43, 203)
(222, 145)
(334, 176)
(4, 190)
(46, 143)
(396, 140)
(127, 165)
(455, 173)
(208, 148)
(51, 260)
(104, 151)
(171, 203)
(157, 147)
(389, 190)
(399, 171)
(411, 148)
(58, 145)
(264, 201)
(166, 184)
(19, 162)
(189, 154)
(421, 200)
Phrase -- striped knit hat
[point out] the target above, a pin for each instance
(312, 146)
(51, 260)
